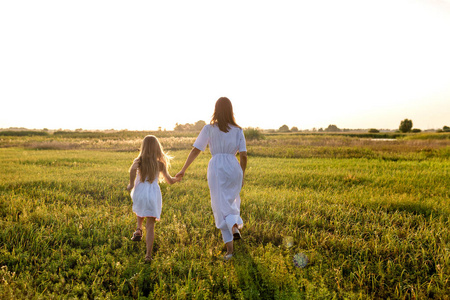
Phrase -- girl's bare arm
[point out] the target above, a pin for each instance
(133, 171)
(169, 179)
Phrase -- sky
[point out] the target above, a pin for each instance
(141, 65)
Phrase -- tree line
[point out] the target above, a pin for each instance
(197, 126)
(405, 126)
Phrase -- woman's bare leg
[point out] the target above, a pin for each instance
(229, 247)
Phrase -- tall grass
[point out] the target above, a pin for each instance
(341, 146)
(23, 133)
(370, 227)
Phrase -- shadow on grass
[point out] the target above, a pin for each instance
(255, 280)
(415, 208)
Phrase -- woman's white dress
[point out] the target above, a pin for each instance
(147, 199)
(224, 175)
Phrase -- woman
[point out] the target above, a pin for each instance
(225, 173)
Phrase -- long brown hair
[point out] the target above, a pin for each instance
(223, 114)
(150, 159)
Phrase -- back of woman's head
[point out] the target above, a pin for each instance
(223, 114)
(150, 156)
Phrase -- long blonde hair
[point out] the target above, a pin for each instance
(152, 159)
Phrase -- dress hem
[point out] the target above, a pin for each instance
(157, 219)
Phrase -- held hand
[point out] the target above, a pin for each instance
(180, 174)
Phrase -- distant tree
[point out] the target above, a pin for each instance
(405, 125)
(332, 128)
(199, 125)
(446, 129)
(373, 130)
(178, 127)
(182, 127)
(416, 130)
(284, 128)
(190, 127)
(253, 134)
(320, 129)
(294, 129)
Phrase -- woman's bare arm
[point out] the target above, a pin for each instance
(243, 163)
(243, 160)
(192, 156)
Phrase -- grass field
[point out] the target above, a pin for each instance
(372, 216)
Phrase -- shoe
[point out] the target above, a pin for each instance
(148, 260)
(236, 235)
(137, 235)
(228, 257)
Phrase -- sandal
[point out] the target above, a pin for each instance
(137, 235)
(227, 257)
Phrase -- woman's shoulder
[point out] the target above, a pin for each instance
(231, 128)
(236, 128)
(208, 127)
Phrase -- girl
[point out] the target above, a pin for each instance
(225, 172)
(145, 173)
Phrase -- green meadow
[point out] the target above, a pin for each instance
(370, 214)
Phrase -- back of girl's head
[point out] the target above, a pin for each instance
(151, 147)
(150, 156)
(223, 114)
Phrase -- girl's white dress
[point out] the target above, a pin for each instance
(147, 199)
(224, 175)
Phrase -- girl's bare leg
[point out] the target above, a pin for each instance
(139, 222)
(150, 226)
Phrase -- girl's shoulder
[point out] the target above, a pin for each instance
(136, 163)
(161, 166)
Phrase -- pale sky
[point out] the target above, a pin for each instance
(143, 64)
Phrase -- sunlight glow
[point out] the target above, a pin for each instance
(140, 65)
